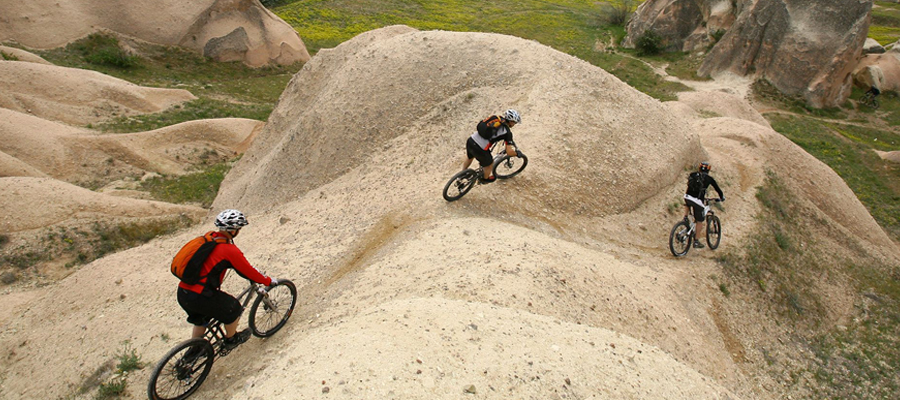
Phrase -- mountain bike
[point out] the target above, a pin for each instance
(182, 370)
(870, 98)
(505, 167)
(682, 236)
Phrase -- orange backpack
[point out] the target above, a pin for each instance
(188, 263)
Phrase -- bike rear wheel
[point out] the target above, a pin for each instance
(459, 185)
(713, 232)
(181, 371)
(271, 311)
(508, 167)
(680, 239)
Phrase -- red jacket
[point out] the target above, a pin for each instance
(223, 257)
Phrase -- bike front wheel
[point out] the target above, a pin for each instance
(270, 311)
(680, 239)
(459, 185)
(181, 371)
(713, 232)
(508, 167)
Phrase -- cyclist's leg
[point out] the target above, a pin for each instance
(194, 305)
(472, 150)
(488, 170)
(228, 311)
(700, 220)
(198, 331)
(467, 163)
(484, 157)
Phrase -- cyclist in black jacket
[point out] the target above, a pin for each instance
(698, 182)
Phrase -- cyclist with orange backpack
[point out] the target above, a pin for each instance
(202, 297)
(489, 131)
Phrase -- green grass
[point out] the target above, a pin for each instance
(171, 67)
(765, 92)
(8, 57)
(885, 25)
(848, 151)
(856, 360)
(868, 345)
(772, 261)
(196, 188)
(570, 26)
(81, 245)
(129, 359)
(103, 49)
(203, 108)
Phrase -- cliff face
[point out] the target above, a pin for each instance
(803, 47)
(686, 25)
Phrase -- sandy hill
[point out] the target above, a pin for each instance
(22, 55)
(82, 156)
(227, 30)
(77, 96)
(555, 284)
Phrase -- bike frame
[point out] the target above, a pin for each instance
(498, 156)
(706, 218)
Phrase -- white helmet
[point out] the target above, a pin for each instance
(231, 220)
(513, 116)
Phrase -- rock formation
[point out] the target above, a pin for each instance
(880, 70)
(685, 25)
(803, 47)
(226, 30)
(872, 47)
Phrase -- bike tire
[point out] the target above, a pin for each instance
(459, 185)
(174, 378)
(713, 232)
(874, 104)
(265, 320)
(508, 167)
(679, 239)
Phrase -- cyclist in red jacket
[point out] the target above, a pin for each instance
(206, 300)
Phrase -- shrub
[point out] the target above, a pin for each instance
(102, 49)
(129, 359)
(114, 388)
(649, 43)
(8, 57)
(717, 35)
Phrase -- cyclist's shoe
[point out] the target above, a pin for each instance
(485, 181)
(238, 339)
(698, 245)
(686, 220)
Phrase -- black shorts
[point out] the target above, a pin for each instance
(473, 151)
(697, 210)
(200, 308)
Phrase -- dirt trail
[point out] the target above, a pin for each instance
(554, 284)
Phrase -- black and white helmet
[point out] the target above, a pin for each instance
(231, 220)
(512, 116)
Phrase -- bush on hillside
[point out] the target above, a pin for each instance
(102, 49)
(8, 57)
(649, 43)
